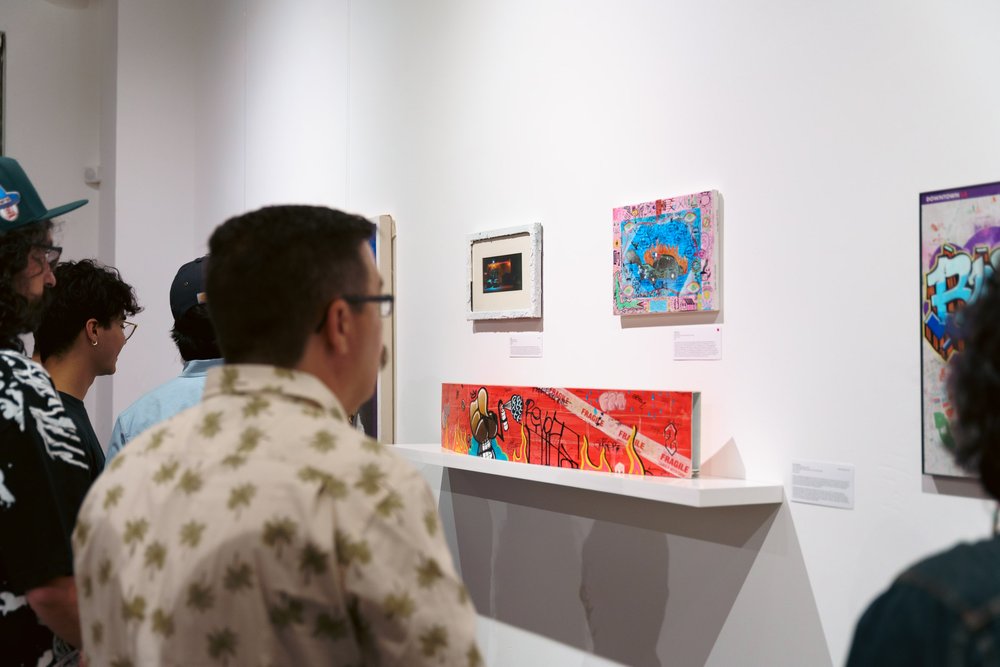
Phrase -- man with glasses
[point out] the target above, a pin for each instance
(81, 335)
(259, 527)
(194, 336)
(43, 469)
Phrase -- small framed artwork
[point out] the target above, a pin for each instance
(666, 255)
(959, 248)
(505, 273)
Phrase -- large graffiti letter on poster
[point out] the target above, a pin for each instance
(955, 280)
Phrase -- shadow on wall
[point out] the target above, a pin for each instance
(960, 487)
(629, 580)
(71, 4)
(516, 325)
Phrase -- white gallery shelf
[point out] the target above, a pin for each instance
(699, 492)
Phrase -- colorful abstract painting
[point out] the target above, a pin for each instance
(959, 249)
(652, 433)
(666, 255)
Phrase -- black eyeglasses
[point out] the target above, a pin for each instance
(384, 302)
(52, 253)
(129, 328)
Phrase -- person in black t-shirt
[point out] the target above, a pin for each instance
(43, 471)
(82, 332)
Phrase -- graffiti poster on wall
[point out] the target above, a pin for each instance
(665, 257)
(959, 248)
(653, 433)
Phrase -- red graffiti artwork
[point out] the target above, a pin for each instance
(651, 433)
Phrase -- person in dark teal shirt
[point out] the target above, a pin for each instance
(945, 610)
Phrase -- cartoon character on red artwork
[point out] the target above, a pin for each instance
(485, 424)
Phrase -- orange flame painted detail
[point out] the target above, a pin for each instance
(587, 464)
(635, 467)
(519, 452)
(459, 441)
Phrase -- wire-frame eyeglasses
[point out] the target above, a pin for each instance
(52, 253)
(384, 302)
(129, 329)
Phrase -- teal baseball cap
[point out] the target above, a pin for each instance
(20, 204)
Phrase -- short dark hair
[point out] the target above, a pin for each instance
(974, 387)
(273, 272)
(194, 334)
(15, 310)
(83, 290)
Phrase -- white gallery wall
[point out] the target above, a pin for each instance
(53, 111)
(222, 107)
(818, 124)
(52, 108)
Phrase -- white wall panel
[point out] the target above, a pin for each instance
(818, 124)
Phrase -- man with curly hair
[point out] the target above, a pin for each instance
(81, 335)
(43, 470)
(945, 609)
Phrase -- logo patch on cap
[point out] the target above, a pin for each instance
(8, 205)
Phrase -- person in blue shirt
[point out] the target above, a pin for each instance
(195, 339)
(945, 609)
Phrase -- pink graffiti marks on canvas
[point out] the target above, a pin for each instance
(665, 255)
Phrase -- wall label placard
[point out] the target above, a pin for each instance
(821, 483)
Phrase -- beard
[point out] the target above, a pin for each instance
(33, 310)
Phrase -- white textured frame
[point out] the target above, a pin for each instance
(531, 271)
